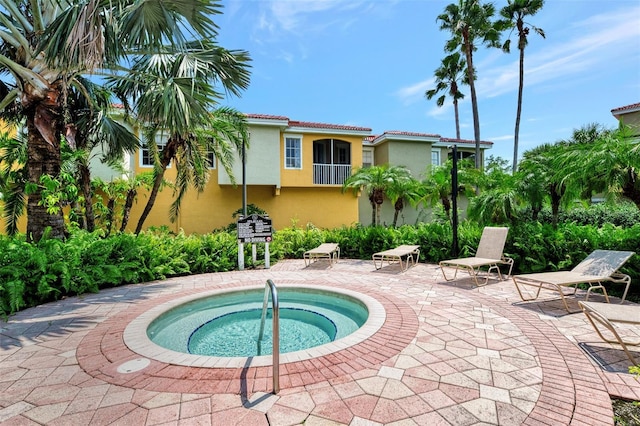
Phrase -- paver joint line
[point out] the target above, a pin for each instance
(425, 351)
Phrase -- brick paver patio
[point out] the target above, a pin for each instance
(447, 354)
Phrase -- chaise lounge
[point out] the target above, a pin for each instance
(599, 267)
(329, 251)
(408, 252)
(489, 254)
(608, 315)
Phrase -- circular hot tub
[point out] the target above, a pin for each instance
(223, 328)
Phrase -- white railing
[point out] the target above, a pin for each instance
(330, 174)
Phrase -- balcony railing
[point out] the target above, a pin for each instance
(330, 174)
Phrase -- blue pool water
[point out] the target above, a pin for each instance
(227, 325)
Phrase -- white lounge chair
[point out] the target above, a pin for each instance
(599, 267)
(489, 255)
(329, 251)
(396, 255)
(608, 315)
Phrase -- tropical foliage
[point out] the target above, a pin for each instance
(378, 182)
(32, 274)
(47, 48)
(449, 75)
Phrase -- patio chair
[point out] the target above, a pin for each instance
(489, 255)
(608, 315)
(599, 267)
(329, 251)
(396, 255)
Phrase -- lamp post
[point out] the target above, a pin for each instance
(454, 201)
(244, 181)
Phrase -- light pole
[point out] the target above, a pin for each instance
(454, 201)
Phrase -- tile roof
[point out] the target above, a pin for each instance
(625, 108)
(314, 125)
(267, 117)
(453, 140)
(402, 133)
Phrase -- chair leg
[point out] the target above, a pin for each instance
(593, 316)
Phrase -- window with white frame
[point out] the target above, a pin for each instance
(146, 158)
(292, 152)
(367, 158)
(435, 157)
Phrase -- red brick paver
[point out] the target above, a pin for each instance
(447, 353)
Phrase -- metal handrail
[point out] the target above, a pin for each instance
(270, 287)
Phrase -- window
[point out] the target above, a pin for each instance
(146, 158)
(367, 158)
(292, 152)
(435, 157)
(211, 160)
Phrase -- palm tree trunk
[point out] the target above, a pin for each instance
(519, 112)
(152, 199)
(43, 158)
(111, 205)
(373, 210)
(85, 184)
(126, 210)
(167, 154)
(457, 118)
(446, 204)
(468, 50)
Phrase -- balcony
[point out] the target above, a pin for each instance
(330, 174)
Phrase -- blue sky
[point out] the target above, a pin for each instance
(368, 63)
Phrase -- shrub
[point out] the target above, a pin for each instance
(31, 274)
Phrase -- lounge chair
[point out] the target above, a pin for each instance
(408, 252)
(329, 251)
(598, 267)
(607, 315)
(489, 255)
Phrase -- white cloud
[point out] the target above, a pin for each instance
(501, 138)
(600, 37)
(605, 36)
(414, 93)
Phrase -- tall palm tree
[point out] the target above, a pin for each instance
(469, 23)
(376, 181)
(448, 75)
(515, 12)
(46, 45)
(174, 94)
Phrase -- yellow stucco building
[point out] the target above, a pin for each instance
(295, 171)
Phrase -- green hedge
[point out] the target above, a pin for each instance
(86, 262)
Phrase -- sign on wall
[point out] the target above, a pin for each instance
(254, 229)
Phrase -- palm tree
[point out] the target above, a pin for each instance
(543, 177)
(436, 187)
(470, 24)
(13, 179)
(46, 45)
(516, 12)
(174, 94)
(610, 164)
(448, 75)
(376, 181)
(401, 192)
(499, 196)
(94, 131)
